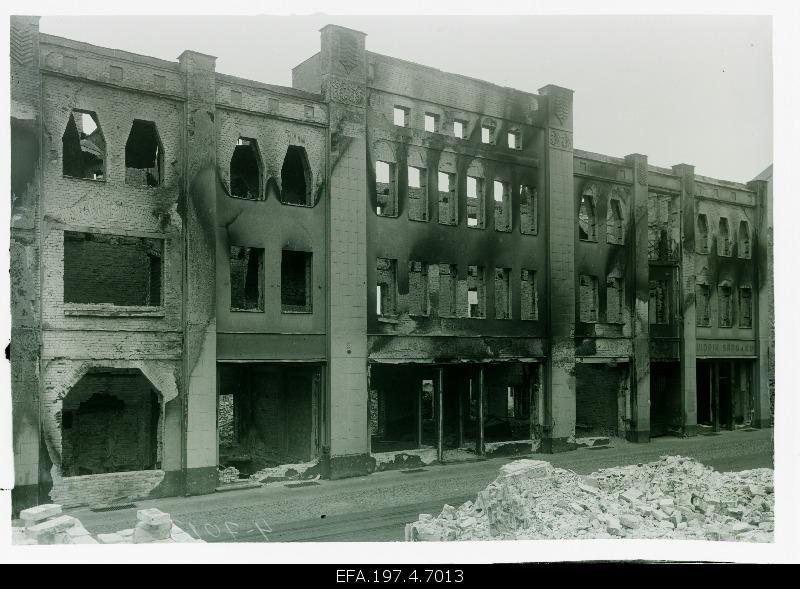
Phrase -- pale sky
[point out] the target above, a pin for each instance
(681, 89)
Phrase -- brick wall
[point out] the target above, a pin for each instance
(597, 393)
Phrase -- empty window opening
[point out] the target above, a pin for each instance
(112, 269)
(703, 297)
(588, 298)
(701, 239)
(448, 209)
(386, 293)
(514, 140)
(417, 194)
(476, 298)
(431, 122)
(400, 408)
(296, 282)
(744, 240)
(246, 170)
(598, 389)
(114, 424)
(247, 278)
(725, 306)
(745, 307)
(502, 293)
(448, 282)
(502, 206)
(487, 133)
(614, 300)
(528, 208)
(529, 299)
(401, 116)
(459, 128)
(662, 227)
(385, 189)
(474, 202)
(659, 302)
(144, 156)
(83, 147)
(296, 177)
(614, 225)
(586, 219)
(724, 241)
(418, 288)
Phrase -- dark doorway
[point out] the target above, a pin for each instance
(665, 398)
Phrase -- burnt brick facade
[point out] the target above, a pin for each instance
(383, 261)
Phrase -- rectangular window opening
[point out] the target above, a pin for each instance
(588, 298)
(401, 116)
(112, 270)
(528, 296)
(386, 273)
(431, 122)
(502, 206)
(247, 278)
(502, 293)
(386, 195)
(296, 282)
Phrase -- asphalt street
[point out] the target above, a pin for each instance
(377, 507)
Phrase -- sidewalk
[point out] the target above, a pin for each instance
(375, 506)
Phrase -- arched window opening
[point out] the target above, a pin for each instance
(246, 178)
(295, 177)
(586, 220)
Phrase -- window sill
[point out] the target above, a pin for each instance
(383, 319)
(99, 180)
(587, 240)
(295, 204)
(112, 311)
(253, 199)
(246, 310)
(297, 311)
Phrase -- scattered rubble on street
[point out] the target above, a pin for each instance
(45, 524)
(672, 498)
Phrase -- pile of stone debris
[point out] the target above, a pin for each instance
(45, 524)
(672, 498)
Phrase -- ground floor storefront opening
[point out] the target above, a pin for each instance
(456, 410)
(268, 414)
(666, 408)
(725, 395)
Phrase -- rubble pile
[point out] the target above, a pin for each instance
(229, 474)
(672, 498)
(45, 524)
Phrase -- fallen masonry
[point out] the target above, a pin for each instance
(672, 498)
(45, 524)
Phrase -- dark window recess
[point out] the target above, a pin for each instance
(296, 282)
(295, 177)
(703, 296)
(725, 306)
(448, 283)
(247, 278)
(386, 273)
(529, 300)
(246, 170)
(614, 225)
(745, 307)
(659, 302)
(112, 269)
(66, 420)
(83, 147)
(701, 239)
(144, 156)
(588, 298)
(528, 210)
(418, 288)
(586, 219)
(724, 240)
(744, 240)
(502, 293)
(614, 300)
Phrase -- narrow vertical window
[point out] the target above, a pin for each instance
(529, 301)
(528, 210)
(418, 288)
(724, 238)
(744, 240)
(475, 293)
(386, 287)
(502, 293)
(448, 210)
(659, 302)
(614, 225)
(474, 202)
(703, 301)
(431, 122)
(701, 237)
(725, 306)
(614, 300)
(745, 307)
(459, 129)
(588, 298)
(586, 219)
(502, 206)
(385, 189)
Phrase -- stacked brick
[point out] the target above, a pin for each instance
(673, 498)
(45, 524)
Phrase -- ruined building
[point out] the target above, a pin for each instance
(381, 265)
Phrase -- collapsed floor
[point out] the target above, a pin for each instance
(673, 498)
